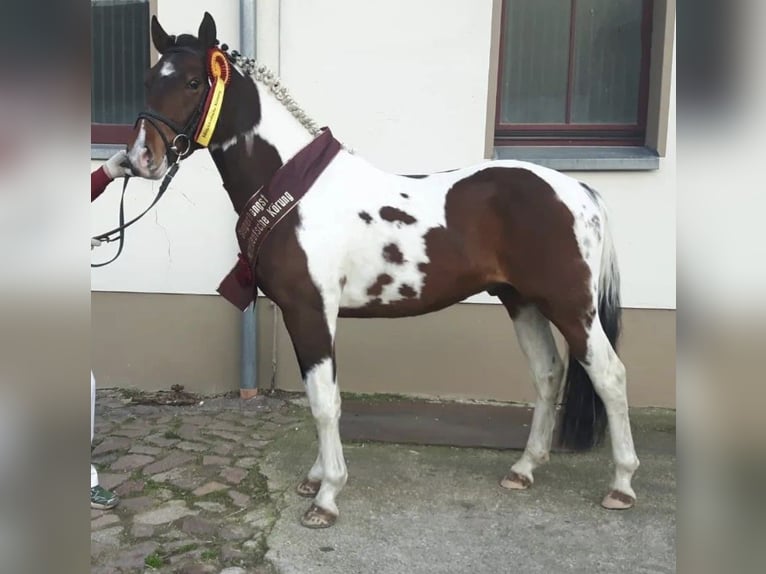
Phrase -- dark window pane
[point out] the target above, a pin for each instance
(120, 58)
(535, 62)
(607, 61)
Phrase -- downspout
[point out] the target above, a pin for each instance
(248, 384)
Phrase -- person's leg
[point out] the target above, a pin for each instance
(100, 498)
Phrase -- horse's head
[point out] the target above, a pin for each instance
(176, 91)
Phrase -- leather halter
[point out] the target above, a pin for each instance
(182, 134)
(173, 154)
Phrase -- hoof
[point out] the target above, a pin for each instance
(308, 488)
(316, 517)
(617, 500)
(516, 481)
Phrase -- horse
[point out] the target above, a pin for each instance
(363, 242)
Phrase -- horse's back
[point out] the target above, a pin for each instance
(377, 240)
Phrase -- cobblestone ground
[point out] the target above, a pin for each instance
(193, 499)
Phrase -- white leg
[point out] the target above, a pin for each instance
(536, 341)
(93, 471)
(324, 398)
(608, 375)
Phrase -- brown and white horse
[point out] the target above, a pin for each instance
(366, 243)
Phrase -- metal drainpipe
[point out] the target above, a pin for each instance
(248, 385)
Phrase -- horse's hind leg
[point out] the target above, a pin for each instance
(607, 372)
(312, 339)
(533, 331)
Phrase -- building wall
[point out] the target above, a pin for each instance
(409, 94)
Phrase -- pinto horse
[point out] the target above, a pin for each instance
(366, 243)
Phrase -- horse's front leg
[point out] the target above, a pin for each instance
(313, 340)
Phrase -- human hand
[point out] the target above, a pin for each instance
(118, 165)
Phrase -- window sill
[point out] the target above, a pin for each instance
(584, 158)
(99, 151)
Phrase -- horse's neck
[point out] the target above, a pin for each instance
(251, 156)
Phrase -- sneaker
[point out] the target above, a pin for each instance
(103, 499)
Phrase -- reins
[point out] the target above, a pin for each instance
(120, 230)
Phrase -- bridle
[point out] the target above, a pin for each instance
(195, 134)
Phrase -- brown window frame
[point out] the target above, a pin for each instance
(578, 134)
(119, 134)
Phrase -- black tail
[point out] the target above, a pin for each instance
(584, 420)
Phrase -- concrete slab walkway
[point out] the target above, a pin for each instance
(209, 489)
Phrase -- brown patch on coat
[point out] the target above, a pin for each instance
(394, 214)
(407, 291)
(393, 254)
(506, 226)
(376, 289)
(366, 217)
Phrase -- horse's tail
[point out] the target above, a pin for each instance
(584, 419)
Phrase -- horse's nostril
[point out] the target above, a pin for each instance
(146, 156)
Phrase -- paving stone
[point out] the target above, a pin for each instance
(104, 460)
(95, 513)
(138, 503)
(199, 420)
(208, 488)
(234, 532)
(269, 426)
(131, 433)
(107, 536)
(239, 499)
(145, 449)
(222, 448)
(193, 446)
(209, 460)
(111, 444)
(247, 462)
(160, 440)
(186, 557)
(283, 420)
(164, 494)
(173, 460)
(233, 475)
(168, 512)
(258, 518)
(104, 520)
(173, 547)
(189, 432)
(224, 434)
(130, 487)
(133, 558)
(233, 570)
(230, 553)
(211, 506)
(111, 480)
(182, 477)
(131, 462)
(199, 527)
(198, 569)
(256, 444)
(142, 531)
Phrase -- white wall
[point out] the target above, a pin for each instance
(408, 93)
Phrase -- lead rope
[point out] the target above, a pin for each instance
(107, 237)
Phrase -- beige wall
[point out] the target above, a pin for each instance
(468, 350)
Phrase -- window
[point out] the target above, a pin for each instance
(120, 48)
(573, 72)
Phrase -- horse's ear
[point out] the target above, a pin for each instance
(161, 40)
(207, 32)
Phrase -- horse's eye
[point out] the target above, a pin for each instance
(193, 84)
